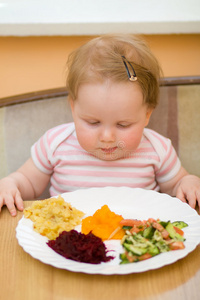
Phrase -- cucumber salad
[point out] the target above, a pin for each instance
(145, 239)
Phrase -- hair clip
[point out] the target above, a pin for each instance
(132, 77)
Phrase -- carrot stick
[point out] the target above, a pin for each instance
(130, 222)
(114, 232)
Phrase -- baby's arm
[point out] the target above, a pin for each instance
(184, 186)
(28, 182)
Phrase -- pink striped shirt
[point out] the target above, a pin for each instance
(58, 153)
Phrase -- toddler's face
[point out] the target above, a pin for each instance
(109, 118)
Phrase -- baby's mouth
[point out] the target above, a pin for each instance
(108, 150)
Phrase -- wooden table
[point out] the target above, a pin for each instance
(25, 278)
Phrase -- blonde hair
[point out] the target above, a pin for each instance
(101, 59)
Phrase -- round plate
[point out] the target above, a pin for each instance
(130, 203)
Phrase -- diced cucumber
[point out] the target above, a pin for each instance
(148, 232)
(173, 234)
(127, 227)
(163, 223)
(157, 236)
(124, 261)
(139, 238)
(179, 224)
(123, 258)
(135, 250)
(162, 246)
(153, 250)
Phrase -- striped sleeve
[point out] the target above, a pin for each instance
(169, 164)
(42, 151)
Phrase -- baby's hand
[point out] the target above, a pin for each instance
(188, 190)
(10, 196)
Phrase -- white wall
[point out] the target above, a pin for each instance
(93, 17)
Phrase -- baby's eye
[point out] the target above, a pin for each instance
(124, 125)
(93, 122)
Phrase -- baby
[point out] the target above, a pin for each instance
(113, 84)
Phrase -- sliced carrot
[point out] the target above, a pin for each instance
(157, 226)
(151, 220)
(179, 231)
(131, 258)
(165, 234)
(131, 222)
(145, 256)
(176, 245)
(135, 229)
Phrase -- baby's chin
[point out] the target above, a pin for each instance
(109, 156)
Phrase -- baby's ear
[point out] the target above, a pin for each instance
(148, 115)
(71, 101)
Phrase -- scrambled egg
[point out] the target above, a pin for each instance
(52, 216)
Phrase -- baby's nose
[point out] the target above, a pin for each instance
(107, 135)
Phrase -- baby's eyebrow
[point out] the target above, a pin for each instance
(88, 116)
(126, 120)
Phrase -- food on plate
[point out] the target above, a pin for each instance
(57, 219)
(145, 239)
(80, 247)
(52, 216)
(103, 224)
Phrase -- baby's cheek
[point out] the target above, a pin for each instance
(131, 143)
(86, 141)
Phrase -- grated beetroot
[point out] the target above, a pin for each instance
(80, 247)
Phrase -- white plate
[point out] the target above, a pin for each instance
(130, 203)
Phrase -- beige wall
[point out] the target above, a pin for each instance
(36, 63)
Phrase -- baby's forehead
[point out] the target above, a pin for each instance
(109, 92)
